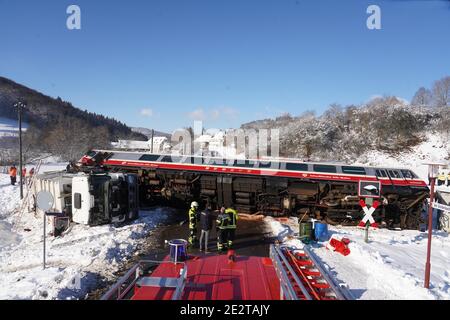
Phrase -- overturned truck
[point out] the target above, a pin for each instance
(272, 187)
(92, 198)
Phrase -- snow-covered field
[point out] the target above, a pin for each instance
(75, 262)
(391, 266)
(9, 127)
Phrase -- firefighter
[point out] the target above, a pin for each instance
(193, 217)
(222, 223)
(232, 213)
(13, 175)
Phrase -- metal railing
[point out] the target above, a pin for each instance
(282, 268)
(135, 276)
(341, 293)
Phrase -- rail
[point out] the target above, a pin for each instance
(122, 288)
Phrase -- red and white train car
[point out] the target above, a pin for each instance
(320, 190)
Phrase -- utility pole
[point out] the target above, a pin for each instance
(19, 105)
(433, 169)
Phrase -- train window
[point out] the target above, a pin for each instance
(324, 168)
(296, 166)
(381, 173)
(408, 174)
(269, 165)
(246, 163)
(149, 157)
(215, 162)
(354, 170)
(394, 174)
(166, 159)
(91, 153)
(186, 159)
(196, 160)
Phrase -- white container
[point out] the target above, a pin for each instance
(59, 185)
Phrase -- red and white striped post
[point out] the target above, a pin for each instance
(433, 169)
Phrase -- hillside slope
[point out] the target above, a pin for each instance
(44, 110)
(385, 125)
(55, 126)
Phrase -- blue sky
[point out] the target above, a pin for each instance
(164, 63)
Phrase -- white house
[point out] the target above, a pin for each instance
(160, 145)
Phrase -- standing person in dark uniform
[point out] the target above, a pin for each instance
(222, 222)
(232, 213)
(206, 226)
(193, 217)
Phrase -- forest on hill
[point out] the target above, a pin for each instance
(343, 133)
(56, 126)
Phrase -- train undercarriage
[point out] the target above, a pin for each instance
(331, 201)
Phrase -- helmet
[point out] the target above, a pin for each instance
(194, 204)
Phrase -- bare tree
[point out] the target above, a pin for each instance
(71, 137)
(423, 97)
(441, 92)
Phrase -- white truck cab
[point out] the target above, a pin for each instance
(104, 198)
(82, 199)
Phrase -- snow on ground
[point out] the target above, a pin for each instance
(76, 262)
(389, 267)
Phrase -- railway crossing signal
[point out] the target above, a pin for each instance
(368, 214)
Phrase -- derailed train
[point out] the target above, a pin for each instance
(272, 187)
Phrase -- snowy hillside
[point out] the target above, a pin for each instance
(434, 148)
(344, 134)
(391, 266)
(10, 128)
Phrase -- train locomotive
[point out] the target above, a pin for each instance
(323, 191)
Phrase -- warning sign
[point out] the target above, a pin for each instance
(369, 189)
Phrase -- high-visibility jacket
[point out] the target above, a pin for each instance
(192, 217)
(233, 217)
(223, 221)
(12, 172)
